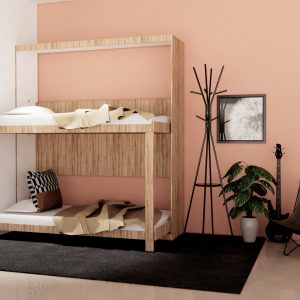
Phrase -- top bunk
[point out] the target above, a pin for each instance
(26, 69)
(45, 123)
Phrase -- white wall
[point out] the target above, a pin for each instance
(18, 25)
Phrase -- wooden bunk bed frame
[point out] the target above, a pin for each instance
(152, 150)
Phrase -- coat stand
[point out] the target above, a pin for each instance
(208, 142)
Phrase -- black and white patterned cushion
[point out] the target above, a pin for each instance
(39, 182)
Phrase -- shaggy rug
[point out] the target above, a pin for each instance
(222, 264)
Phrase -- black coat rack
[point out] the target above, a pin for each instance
(208, 97)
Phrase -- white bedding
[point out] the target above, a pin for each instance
(47, 119)
(46, 218)
(10, 120)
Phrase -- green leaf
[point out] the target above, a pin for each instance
(233, 171)
(249, 171)
(246, 182)
(260, 172)
(232, 197)
(260, 208)
(257, 204)
(267, 185)
(242, 198)
(230, 187)
(265, 200)
(259, 189)
(235, 212)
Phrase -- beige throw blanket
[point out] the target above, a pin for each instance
(83, 118)
(101, 216)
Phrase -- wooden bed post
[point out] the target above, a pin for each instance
(177, 112)
(149, 191)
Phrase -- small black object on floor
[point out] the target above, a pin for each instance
(222, 265)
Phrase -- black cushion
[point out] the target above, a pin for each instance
(41, 183)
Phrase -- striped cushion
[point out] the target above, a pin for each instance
(41, 182)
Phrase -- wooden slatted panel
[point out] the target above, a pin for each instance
(157, 106)
(111, 43)
(125, 234)
(101, 154)
(130, 128)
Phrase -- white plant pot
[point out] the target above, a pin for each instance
(249, 228)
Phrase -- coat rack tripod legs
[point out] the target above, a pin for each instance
(208, 142)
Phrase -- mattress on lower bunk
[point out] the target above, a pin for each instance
(46, 219)
(47, 119)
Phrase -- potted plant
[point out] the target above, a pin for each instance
(248, 186)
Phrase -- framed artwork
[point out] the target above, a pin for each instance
(241, 118)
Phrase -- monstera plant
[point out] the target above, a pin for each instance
(248, 186)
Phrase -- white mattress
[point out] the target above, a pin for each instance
(10, 120)
(46, 219)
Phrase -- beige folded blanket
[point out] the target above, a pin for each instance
(101, 216)
(83, 118)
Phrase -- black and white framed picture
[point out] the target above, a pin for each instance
(241, 118)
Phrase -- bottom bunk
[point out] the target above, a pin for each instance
(43, 222)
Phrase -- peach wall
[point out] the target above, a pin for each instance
(119, 73)
(256, 40)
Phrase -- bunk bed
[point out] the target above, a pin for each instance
(154, 150)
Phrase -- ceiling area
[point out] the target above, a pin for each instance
(49, 1)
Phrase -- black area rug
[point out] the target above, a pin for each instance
(222, 265)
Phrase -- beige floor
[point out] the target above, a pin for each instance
(274, 276)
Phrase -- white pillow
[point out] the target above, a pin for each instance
(30, 110)
(23, 206)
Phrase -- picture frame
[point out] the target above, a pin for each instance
(241, 118)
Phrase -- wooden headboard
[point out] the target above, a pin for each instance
(157, 106)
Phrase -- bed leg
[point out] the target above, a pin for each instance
(149, 191)
(149, 245)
